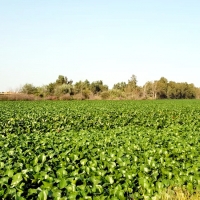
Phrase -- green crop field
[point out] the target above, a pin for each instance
(98, 149)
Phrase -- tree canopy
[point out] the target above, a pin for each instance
(158, 89)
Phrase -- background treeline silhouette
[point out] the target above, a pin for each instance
(65, 89)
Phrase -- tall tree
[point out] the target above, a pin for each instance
(132, 82)
(28, 89)
(162, 85)
(63, 80)
(80, 86)
(132, 85)
(148, 90)
(98, 86)
(172, 90)
(50, 89)
(63, 89)
(120, 86)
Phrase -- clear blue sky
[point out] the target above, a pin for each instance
(105, 40)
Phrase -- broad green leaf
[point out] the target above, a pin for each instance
(56, 193)
(47, 185)
(35, 161)
(16, 179)
(61, 172)
(144, 183)
(37, 168)
(9, 172)
(120, 195)
(83, 161)
(4, 180)
(32, 191)
(43, 195)
(62, 183)
(99, 189)
(72, 195)
(110, 179)
(42, 158)
(18, 197)
(71, 188)
(1, 164)
(190, 187)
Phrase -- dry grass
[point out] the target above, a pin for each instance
(65, 97)
(27, 97)
(78, 97)
(94, 97)
(18, 97)
(51, 98)
(179, 194)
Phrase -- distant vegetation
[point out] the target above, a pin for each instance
(64, 89)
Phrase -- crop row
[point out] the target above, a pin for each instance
(53, 116)
(157, 148)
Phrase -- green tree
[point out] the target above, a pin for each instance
(63, 80)
(50, 88)
(187, 91)
(132, 83)
(197, 93)
(132, 90)
(82, 88)
(97, 87)
(120, 86)
(63, 89)
(161, 88)
(148, 91)
(28, 89)
(172, 90)
(60, 87)
(41, 91)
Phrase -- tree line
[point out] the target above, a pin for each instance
(65, 89)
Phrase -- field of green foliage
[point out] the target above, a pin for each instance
(98, 149)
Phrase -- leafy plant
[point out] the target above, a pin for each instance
(98, 149)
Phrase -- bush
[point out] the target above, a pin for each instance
(117, 94)
(78, 97)
(17, 97)
(66, 97)
(94, 97)
(105, 95)
(51, 98)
